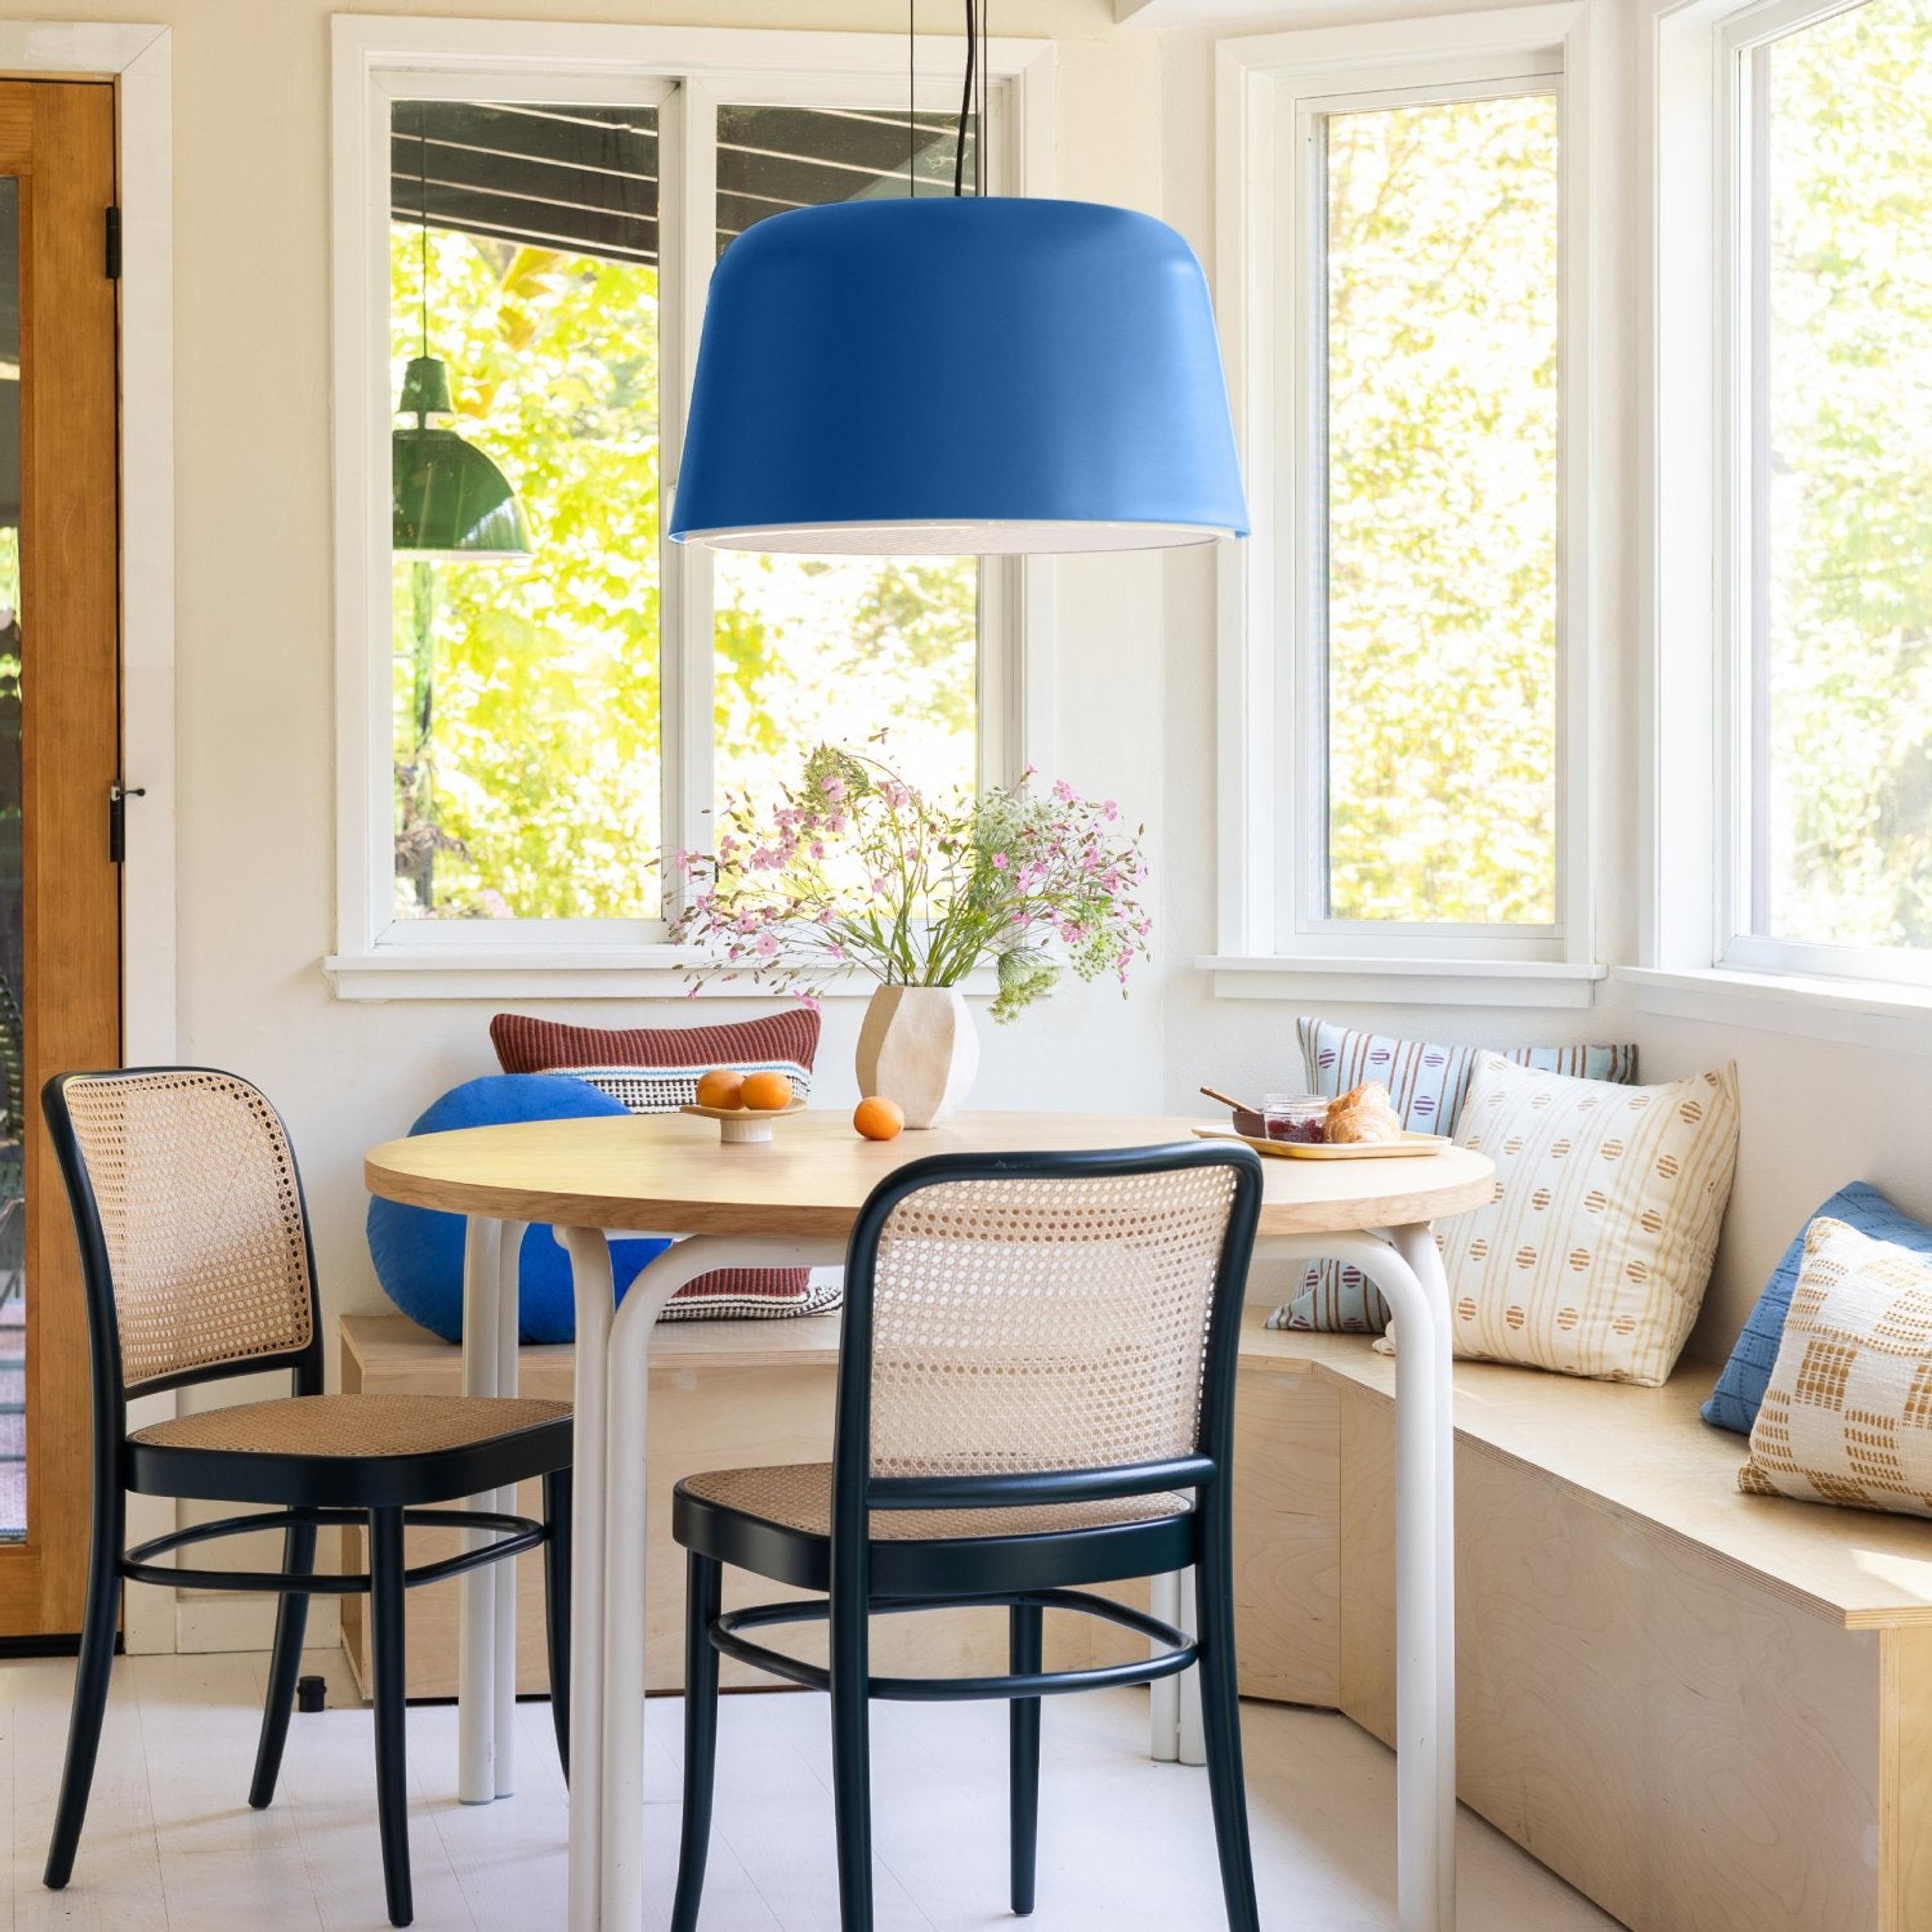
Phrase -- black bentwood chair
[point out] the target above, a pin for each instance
(1036, 1392)
(195, 1251)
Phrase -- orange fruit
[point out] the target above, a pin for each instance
(766, 1093)
(720, 1087)
(877, 1119)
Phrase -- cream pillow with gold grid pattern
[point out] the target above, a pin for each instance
(1592, 1257)
(1848, 1416)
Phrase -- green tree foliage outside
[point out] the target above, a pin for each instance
(1441, 381)
(1847, 789)
(542, 795)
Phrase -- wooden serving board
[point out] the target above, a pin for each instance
(1407, 1148)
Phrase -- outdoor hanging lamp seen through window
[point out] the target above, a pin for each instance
(448, 495)
(968, 376)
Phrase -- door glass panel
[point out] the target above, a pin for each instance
(13, 936)
(840, 649)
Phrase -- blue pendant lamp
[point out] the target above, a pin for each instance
(970, 376)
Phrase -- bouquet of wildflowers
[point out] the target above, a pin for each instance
(857, 869)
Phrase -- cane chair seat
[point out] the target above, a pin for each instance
(797, 1496)
(360, 1450)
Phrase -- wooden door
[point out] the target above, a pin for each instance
(60, 917)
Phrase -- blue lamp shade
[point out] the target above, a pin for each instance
(959, 376)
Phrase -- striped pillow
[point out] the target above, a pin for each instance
(655, 1070)
(1426, 1086)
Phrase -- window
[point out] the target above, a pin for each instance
(1405, 296)
(1832, 634)
(1435, 638)
(533, 715)
(836, 649)
(523, 257)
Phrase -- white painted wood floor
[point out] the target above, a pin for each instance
(1125, 1844)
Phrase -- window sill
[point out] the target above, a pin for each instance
(1874, 1013)
(563, 973)
(1415, 982)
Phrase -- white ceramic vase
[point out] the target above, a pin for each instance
(918, 1048)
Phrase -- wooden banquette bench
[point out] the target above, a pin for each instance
(1706, 1711)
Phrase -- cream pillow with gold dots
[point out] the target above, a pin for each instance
(1848, 1416)
(1592, 1257)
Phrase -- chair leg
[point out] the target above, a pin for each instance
(852, 1758)
(284, 1665)
(703, 1593)
(100, 1617)
(1221, 1724)
(385, 1619)
(1024, 1655)
(556, 1606)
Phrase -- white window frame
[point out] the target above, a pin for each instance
(687, 73)
(1700, 960)
(1271, 88)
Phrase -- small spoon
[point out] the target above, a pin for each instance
(1226, 1100)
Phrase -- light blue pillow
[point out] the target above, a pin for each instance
(1734, 1403)
(1426, 1086)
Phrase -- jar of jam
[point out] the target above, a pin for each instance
(1295, 1117)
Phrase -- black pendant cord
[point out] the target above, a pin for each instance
(966, 100)
(422, 216)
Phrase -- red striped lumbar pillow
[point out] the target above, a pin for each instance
(655, 1070)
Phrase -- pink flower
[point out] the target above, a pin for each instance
(999, 862)
(817, 848)
(833, 788)
(768, 944)
(1110, 808)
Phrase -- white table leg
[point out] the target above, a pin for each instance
(1408, 1271)
(1416, 1247)
(591, 1279)
(476, 1643)
(618, 1860)
(1164, 1692)
(1193, 1733)
(503, 1576)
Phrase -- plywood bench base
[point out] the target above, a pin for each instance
(1709, 1712)
(723, 1394)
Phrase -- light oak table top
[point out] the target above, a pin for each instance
(669, 1173)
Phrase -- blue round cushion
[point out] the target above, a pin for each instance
(418, 1252)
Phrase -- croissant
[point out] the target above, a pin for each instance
(1363, 1114)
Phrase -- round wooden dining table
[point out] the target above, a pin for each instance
(791, 1201)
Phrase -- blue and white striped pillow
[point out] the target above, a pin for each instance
(1426, 1086)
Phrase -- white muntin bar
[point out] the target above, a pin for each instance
(475, 1645)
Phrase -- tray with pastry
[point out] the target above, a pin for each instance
(1358, 1125)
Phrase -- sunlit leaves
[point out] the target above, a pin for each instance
(1442, 452)
(1848, 795)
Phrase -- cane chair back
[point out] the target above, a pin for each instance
(198, 1221)
(1050, 1321)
